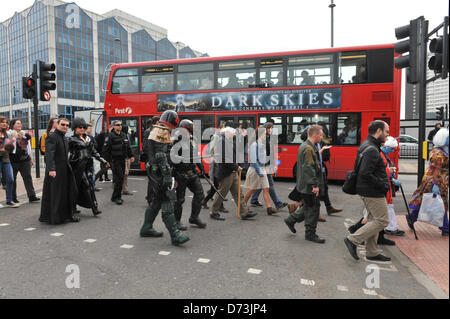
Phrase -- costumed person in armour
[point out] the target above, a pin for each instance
(82, 149)
(159, 145)
(186, 177)
(60, 191)
(435, 180)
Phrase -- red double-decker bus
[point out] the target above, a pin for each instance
(342, 89)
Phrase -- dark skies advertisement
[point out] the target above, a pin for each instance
(307, 99)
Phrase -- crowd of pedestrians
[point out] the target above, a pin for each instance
(70, 179)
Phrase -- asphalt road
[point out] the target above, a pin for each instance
(257, 258)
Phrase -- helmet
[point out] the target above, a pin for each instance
(187, 124)
(170, 119)
(78, 122)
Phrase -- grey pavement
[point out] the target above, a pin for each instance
(258, 258)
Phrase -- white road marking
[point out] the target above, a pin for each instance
(136, 179)
(127, 246)
(4, 225)
(134, 191)
(29, 229)
(164, 253)
(254, 271)
(307, 282)
(203, 261)
(57, 235)
(342, 288)
(370, 292)
(90, 241)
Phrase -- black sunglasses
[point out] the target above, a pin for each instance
(67, 125)
(118, 125)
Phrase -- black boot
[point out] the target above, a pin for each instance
(384, 241)
(147, 229)
(177, 237)
(195, 220)
(290, 222)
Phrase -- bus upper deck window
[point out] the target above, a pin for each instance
(352, 67)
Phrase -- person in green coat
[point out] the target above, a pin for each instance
(310, 185)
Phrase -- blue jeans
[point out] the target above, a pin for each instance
(278, 202)
(6, 168)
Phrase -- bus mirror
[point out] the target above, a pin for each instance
(106, 72)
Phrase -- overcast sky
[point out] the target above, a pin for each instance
(232, 27)
(254, 26)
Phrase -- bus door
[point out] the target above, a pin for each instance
(133, 133)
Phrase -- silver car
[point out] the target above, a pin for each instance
(409, 146)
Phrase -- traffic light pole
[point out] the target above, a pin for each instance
(36, 127)
(423, 100)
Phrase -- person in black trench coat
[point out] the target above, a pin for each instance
(60, 192)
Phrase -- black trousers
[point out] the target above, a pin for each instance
(195, 186)
(102, 172)
(25, 170)
(326, 197)
(118, 169)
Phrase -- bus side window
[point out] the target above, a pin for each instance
(125, 81)
(352, 68)
(348, 129)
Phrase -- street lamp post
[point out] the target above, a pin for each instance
(331, 6)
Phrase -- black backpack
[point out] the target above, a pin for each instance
(349, 186)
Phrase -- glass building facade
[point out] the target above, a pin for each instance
(166, 50)
(81, 44)
(187, 53)
(143, 46)
(18, 56)
(4, 74)
(111, 50)
(74, 54)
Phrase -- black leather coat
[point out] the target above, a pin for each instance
(80, 159)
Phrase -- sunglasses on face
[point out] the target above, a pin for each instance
(118, 125)
(66, 125)
(82, 127)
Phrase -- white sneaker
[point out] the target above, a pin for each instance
(12, 205)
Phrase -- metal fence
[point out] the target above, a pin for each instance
(410, 151)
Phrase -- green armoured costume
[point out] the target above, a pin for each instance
(160, 176)
(309, 176)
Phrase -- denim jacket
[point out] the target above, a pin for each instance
(258, 157)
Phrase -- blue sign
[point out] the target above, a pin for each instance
(277, 100)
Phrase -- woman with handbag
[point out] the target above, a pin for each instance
(434, 181)
(257, 174)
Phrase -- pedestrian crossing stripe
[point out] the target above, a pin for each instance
(342, 288)
(57, 235)
(203, 261)
(127, 246)
(4, 225)
(164, 253)
(29, 229)
(90, 241)
(307, 282)
(370, 292)
(254, 271)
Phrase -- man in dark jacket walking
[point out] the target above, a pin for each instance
(372, 185)
(115, 150)
(60, 192)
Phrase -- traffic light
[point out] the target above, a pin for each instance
(414, 30)
(440, 113)
(45, 77)
(28, 88)
(439, 61)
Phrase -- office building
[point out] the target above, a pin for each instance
(82, 44)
